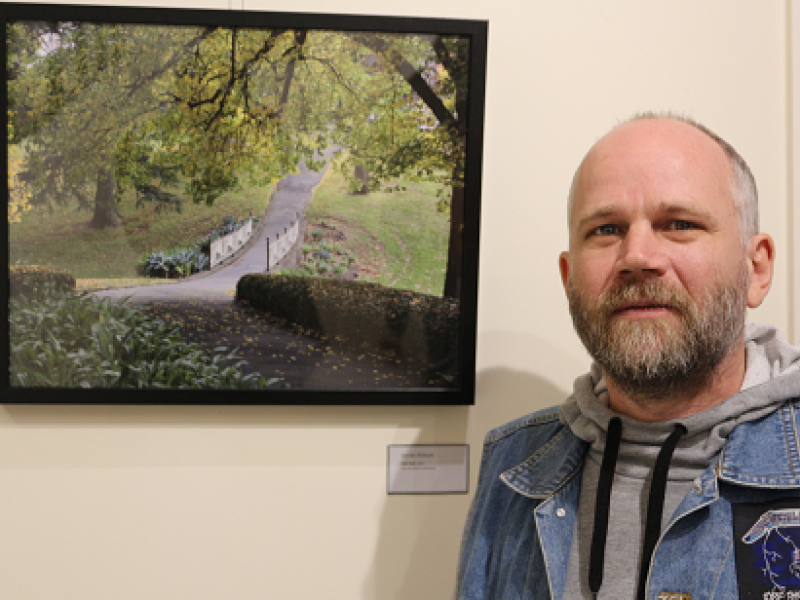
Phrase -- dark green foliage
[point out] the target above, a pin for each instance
(26, 279)
(359, 314)
(159, 197)
(64, 339)
(283, 296)
(136, 166)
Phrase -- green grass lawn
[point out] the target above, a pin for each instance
(401, 235)
(62, 238)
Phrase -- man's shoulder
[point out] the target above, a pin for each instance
(540, 425)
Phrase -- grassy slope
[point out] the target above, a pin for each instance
(403, 232)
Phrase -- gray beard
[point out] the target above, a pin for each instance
(653, 360)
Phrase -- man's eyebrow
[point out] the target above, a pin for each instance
(602, 212)
(687, 209)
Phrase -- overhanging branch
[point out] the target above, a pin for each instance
(411, 75)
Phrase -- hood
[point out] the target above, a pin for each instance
(772, 376)
(768, 355)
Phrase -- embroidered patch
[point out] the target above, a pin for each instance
(768, 550)
(672, 596)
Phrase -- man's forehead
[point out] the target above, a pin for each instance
(660, 152)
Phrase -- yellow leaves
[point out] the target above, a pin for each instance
(18, 195)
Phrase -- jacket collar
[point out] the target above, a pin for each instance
(544, 472)
(764, 453)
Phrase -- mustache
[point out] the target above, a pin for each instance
(651, 292)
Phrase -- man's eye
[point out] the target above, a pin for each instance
(605, 230)
(682, 226)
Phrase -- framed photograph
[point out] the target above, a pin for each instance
(236, 207)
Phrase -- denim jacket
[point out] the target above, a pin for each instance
(519, 529)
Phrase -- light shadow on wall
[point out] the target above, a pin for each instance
(506, 394)
(417, 550)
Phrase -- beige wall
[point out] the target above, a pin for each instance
(794, 153)
(280, 502)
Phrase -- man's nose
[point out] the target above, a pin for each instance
(641, 252)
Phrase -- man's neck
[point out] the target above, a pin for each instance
(725, 382)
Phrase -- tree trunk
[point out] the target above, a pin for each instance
(105, 205)
(455, 250)
(362, 175)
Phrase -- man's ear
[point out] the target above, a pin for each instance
(563, 266)
(761, 265)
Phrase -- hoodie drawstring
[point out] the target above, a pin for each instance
(655, 505)
(603, 504)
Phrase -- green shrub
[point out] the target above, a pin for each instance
(64, 339)
(27, 279)
(358, 313)
(179, 262)
(322, 259)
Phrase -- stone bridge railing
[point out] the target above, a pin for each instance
(278, 247)
(227, 246)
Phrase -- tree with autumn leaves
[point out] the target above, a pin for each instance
(100, 109)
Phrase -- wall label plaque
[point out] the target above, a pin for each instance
(428, 469)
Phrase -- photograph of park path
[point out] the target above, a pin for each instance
(256, 209)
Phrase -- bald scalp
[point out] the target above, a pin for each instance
(742, 184)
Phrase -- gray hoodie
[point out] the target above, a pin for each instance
(772, 376)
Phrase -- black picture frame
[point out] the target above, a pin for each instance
(451, 381)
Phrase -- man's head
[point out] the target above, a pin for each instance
(664, 255)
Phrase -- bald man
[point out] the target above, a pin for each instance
(673, 470)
